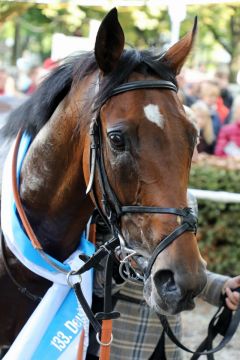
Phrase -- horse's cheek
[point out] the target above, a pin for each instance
(125, 178)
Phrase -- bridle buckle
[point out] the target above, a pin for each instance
(190, 219)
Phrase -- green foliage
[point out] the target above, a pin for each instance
(11, 9)
(219, 223)
(31, 26)
(219, 28)
(144, 26)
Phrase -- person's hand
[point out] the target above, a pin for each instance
(232, 297)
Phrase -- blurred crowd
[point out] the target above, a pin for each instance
(215, 107)
(216, 110)
(17, 86)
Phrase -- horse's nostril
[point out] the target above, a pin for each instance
(164, 282)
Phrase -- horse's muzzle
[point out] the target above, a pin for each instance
(171, 294)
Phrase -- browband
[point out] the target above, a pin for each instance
(144, 84)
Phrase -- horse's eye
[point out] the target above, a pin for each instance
(117, 140)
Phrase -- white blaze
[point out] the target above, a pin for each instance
(153, 114)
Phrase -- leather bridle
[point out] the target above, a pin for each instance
(111, 209)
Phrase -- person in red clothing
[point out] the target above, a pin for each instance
(222, 110)
(222, 78)
(49, 64)
(228, 143)
(36, 75)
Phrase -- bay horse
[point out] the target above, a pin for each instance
(146, 144)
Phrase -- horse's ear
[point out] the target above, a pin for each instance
(109, 42)
(177, 54)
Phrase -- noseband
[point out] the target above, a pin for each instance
(111, 209)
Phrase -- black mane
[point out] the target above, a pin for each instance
(37, 110)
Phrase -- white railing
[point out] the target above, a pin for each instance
(218, 196)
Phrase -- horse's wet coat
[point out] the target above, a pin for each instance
(147, 149)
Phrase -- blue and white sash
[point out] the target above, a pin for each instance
(53, 331)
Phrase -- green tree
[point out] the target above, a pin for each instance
(32, 26)
(222, 22)
(143, 26)
(9, 10)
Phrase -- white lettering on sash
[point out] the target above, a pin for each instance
(61, 340)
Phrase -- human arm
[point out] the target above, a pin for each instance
(213, 288)
(219, 284)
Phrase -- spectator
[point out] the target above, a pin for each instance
(203, 119)
(228, 143)
(3, 81)
(7, 84)
(209, 93)
(224, 101)
(222, 78)
(222, 110)
(187, 91)
(36, 75)
(9, 97)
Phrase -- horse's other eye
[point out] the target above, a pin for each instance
(117, 140)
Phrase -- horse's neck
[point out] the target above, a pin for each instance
(52, 183)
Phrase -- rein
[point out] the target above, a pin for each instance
(223, 323)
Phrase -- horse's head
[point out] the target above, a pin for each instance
(146, 146)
